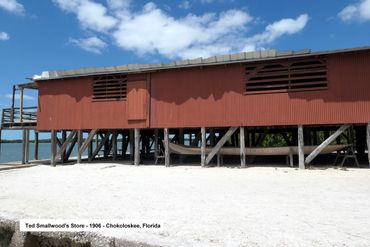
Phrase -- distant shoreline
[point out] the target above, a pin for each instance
(20, 141)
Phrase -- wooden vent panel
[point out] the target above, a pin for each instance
(292, 76)
(110, 87)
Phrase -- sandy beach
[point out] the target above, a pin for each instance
(259, 206)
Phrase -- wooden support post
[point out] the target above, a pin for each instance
(166, 147)
(89, 152)
(88, 140)
(368, 141)
(64, 138)
(21, 104)
(212, 137)
(220, 144)
(53, 146)
(203, 147)
(137, 147)
(12, 110)
(156, 146)
(218, 159)
(63, 147)
(24, 147)
(325, 143)
(242, 147)
(300, 148)
(114, 145)
(79, 145)
(36, 146)
(101, 143)
(132, 144)
(27, 151)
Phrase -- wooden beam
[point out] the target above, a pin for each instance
(27, 151)
(21, 104)
(102, 142)
(64, 138)
(79, 143)
(325, 143)
(114, 145)
(203, 147)
(220, 144)
(70, 149)
(212, 137)
(64, 146)
(368, 141)
(12, 110)
(24, 147)
(242, 147)
(137, 147)
(90, 151)
(132, 144)
(156, 146)
(166, 147)
(300, 148)
(88, 140)
(53, 146)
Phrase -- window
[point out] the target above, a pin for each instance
(289, 76)
(109, 87)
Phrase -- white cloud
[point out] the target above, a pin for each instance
(17, 97)
(4, 36)
(91, 15)
(358, 11)
(12, 6)
(152, 30)
(275, 31)
(185, 5)
(91, 44)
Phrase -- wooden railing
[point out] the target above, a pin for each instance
(13, 117)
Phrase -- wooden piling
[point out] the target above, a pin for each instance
(27, 151)
(114, 145)
(132, 144)
(36, 146)
(166, 148)
(156, 146)
(21, 104)
(300, 148)
(64, 137)
(203, 147)
(24, 147)
(242, 147)
(53, 146)
(137, 147)
(79, 145)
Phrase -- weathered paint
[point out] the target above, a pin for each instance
(67, 104)
(212, 96)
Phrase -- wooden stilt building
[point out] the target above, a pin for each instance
(235, 100)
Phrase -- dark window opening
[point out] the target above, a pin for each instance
(291, 76)
(109, 87)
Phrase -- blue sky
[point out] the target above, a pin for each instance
(61, 34)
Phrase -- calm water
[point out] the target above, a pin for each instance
(13, 151)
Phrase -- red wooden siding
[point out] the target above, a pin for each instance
(214, 96)
(137, 100)
(210, 96)
(68, 104)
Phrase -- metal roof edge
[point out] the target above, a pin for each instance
(262, 55)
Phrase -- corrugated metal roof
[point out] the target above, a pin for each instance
(215, 60)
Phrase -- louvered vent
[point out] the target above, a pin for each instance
(293, 76)
(110, 87)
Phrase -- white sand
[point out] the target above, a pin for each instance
(201, 207)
